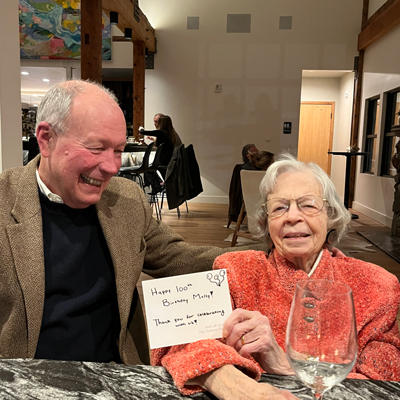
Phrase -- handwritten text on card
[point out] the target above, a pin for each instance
(186, 308)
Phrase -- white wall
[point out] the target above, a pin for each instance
(10, 87)
(335, 90)
(374, 194)
(260, 73)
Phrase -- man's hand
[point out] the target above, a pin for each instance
(250, 333)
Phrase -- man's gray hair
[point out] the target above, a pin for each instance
(57, 103)
(338, 217)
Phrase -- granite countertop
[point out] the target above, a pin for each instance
(52, 380)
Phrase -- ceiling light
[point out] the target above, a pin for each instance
(46, 80)
(35, 95)
(35, 105)
(24, 73)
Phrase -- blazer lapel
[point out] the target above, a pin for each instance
(26, 241)
(127, 266)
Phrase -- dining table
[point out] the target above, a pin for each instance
(51, 380)
(134, 152)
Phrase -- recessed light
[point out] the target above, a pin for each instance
(35, 105)
(46, 80)
(24, 73)
(35, 95)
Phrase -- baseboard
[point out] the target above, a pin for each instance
(211, 199)
(375, 215)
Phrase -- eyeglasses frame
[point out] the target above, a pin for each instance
(264, 206)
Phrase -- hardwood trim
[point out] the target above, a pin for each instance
(91, 42)
(139, 67)
(355, 118)
(141, 31)
(380, 23)
(325, 103)
(121, 39)
(364, 16)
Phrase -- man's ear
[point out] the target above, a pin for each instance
(45, 137)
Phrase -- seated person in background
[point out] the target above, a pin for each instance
(156, 118)
(166, 135)
(247, 151)
(302, 216)
(155, 121)
(262, 160)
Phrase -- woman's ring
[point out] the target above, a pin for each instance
(242, 340)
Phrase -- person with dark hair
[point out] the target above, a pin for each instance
(165, 134)
(262, 160)
(247, 151)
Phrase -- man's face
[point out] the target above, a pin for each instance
(155, 120)
(82, 161)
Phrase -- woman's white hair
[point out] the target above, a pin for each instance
(57, 103)
(338, 217)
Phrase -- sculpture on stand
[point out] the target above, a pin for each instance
(396, 163)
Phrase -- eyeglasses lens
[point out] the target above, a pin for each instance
(309, 205)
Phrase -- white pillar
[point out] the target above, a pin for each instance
(10, 87)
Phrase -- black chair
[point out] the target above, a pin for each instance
(134, 172)
(151, 177)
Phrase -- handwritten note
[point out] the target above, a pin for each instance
(185, 308)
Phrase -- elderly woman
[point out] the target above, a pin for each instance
(302, 217)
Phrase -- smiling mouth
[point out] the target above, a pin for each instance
(90, 181)
(296, 235)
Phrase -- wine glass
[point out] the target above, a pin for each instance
(321, 335)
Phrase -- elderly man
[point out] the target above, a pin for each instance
(74, 239)
(156, 118)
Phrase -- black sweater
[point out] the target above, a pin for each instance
(80, 317)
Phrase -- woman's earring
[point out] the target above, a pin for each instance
(331, 236)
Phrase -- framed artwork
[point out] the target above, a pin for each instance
(51, 29)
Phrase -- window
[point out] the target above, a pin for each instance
(373, 106)
(389, 138)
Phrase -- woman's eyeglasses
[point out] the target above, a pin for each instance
(309, 204)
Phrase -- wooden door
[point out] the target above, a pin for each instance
(316, 133)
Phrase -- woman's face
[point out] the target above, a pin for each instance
(297, 236)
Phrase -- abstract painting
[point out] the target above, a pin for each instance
(51, 29)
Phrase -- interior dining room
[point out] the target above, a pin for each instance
(231, 73)
(318, 79)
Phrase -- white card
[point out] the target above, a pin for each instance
(186, 308)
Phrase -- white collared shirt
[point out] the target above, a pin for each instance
(45, 190)
(316, 263)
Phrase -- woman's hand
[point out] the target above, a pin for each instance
(250, 333)
(228, 383)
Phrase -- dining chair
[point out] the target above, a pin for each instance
(250, 181)
(157, 187)
(135, 171)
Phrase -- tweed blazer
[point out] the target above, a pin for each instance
(136, 241)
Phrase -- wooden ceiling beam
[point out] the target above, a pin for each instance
(141, 31)
(380, 23)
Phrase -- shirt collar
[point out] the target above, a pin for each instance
(45, 190)
(316, 263)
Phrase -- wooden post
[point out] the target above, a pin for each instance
(357, 104)
(138, 85)
(91, 40)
